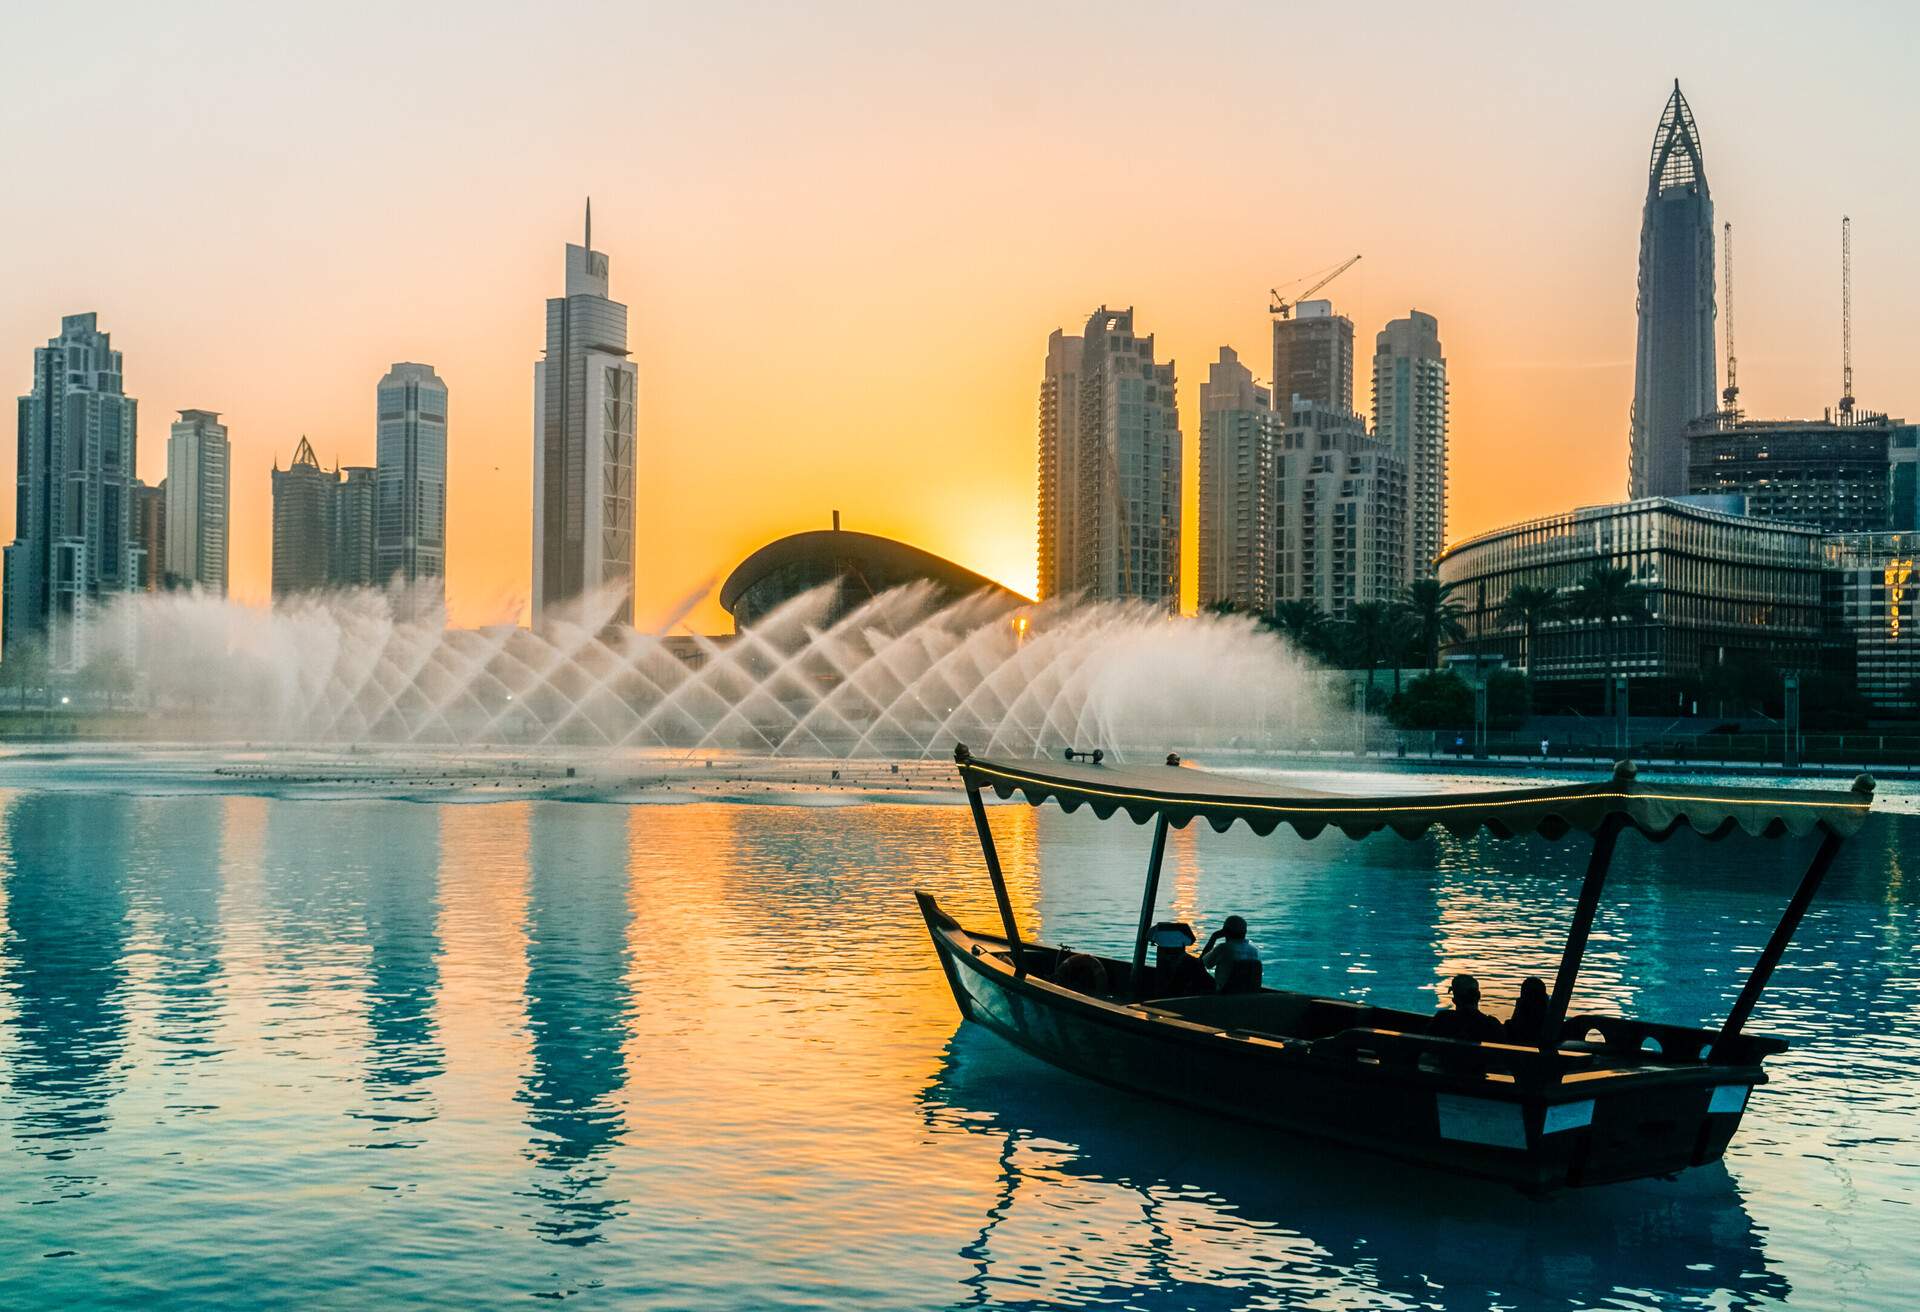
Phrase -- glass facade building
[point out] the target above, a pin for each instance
(1716, 587)
(585, 406)
(351, 555)
(73, 545)
(410, 480)
(1114, 496)
(150, 535)
(1675, 376)
(198, 486)
(303, 507)
(1871, 590)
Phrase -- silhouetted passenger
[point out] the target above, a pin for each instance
(1464, 1019)
(1081, 973)
(1528, 1023)
(1233, 961)
(1177, 973)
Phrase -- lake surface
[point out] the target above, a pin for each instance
(265, 1053)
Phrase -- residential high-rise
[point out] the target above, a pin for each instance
(303, 509)
(1313, 358)
(585, 394)
(1059, 444)
(1410, 416)
(150, 535)
(1675, 376)
(1125, 487)
(73, 543)
(351, 555)
(410, 500)
(1239, 440)
(1340, 513)
(197, 480)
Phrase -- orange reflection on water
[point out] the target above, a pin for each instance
(482, 933)
(806, 1048)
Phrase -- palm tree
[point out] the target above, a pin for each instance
(1304, 623)
(1403, 639)
(1372, 627)
(1609, 595)
(1531, 607)
(1436, 616)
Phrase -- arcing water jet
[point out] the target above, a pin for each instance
(902, 675)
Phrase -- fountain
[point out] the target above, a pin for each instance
(906, 674)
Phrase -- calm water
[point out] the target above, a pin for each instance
(263, 1053)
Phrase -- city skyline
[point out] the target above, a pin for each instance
(739, 223)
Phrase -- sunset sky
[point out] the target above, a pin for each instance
(844, 233)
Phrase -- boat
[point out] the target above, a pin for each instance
(1597, 1099)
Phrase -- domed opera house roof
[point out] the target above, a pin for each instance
(864, 564)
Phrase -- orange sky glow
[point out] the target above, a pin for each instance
(844, 236)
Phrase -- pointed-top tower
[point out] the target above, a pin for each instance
(584, 397)
(303, 506)
(1675, 375)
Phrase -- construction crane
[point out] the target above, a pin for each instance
(1846, 316)
(1283, 308)
(1730, 396)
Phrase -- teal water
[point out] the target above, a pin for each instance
(260, 1053)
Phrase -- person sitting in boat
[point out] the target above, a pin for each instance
(1529, 1019)
(1464, 1019)
(1081, 973)
(1233, 961)
(1177, 973)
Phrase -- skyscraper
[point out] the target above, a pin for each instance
(584, 396)
(410, 499)
(1340, 513)
(351, 554)
(73, 543)
(1059, 442)
(1410, 416)
(1239, 439)
(150, 535)
(1313, 358)
(1675, 378)
(303, 508)
(197, 483)
(1119, 492)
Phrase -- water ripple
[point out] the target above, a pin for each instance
(260, 1053)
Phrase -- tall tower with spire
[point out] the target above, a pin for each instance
(1675, 374)
(585, 395)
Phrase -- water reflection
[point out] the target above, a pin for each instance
(174, 879)
(715, 1038)
(402, 908)
(1104, 1199)
(577, 1005)
(65, 970)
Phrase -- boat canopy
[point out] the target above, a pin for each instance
(1181, 794)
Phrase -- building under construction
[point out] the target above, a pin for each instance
(1834, 474)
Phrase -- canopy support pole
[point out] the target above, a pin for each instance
(1782, 935)
(1576, 949)
(1147, 899)
(999, 881)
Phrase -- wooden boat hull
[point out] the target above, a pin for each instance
(1482, 1110)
